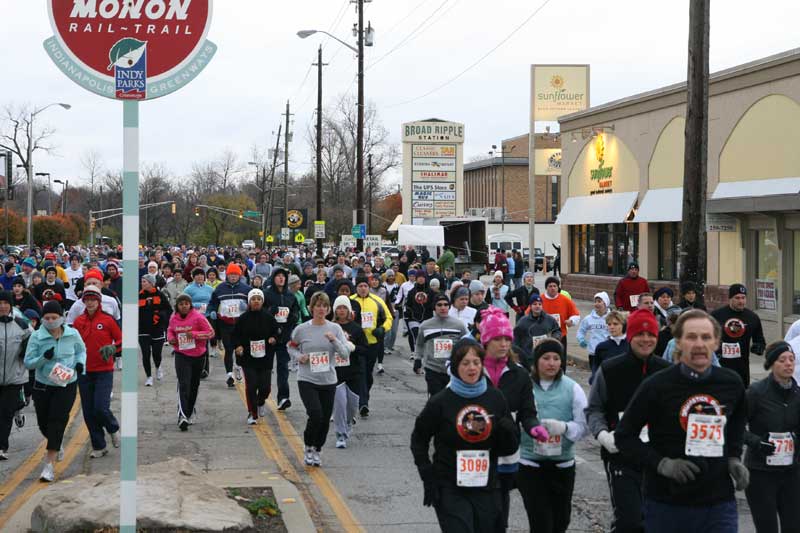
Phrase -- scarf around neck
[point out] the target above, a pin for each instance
(466, 390)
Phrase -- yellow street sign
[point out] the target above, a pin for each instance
(270, 238)
(299, 238)
(260, 233)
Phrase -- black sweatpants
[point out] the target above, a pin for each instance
(547, 494)
(625, 485)
(226, 333)
(367, 367)
(188, 370)
(436, 381)
(318, 400)
(463, 510)
(774, 496)
(257, 385)
(151, 346)
(52, 406)
(9, 404)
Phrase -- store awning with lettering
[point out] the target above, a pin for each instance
(610, 208)
(776, 194)
(661, 205)
(396, 224)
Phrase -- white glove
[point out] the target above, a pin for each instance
(606, 439)
(554, 427)
(350, 346)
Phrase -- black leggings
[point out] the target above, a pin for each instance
(257, 385)
(462, 510)
(547, 494)
(318, 400)
(188, 370)
(9, 404)
(52, 406)
(150, 345)
(773, 496)
(226, 333)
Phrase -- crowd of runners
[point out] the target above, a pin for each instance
(671, 404)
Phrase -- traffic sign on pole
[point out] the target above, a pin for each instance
(299, 238)
(285, 234)
(252, 214)
(359, 231)
(319, 229)
(270, 239)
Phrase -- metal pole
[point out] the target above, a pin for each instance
(100, 227)
(503, 185)
(130, 315)
(272, 177)
(7, 156)
(319, 133)
(369, 171)
(64, 198)
(360, 125)
(49, 194)
(264, 208)
(286, 169)
(29, 170)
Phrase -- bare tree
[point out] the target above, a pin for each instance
(93, 166)
(14, 124)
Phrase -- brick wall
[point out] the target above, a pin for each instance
(585, 286)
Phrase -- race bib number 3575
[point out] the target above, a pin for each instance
(705, 435)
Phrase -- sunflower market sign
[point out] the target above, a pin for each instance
(602, 175)
(130, 49)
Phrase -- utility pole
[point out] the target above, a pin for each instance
(695, 166)
(369, 175)
(286, 167)
(319, 64)
(360, 125)
(272, 179)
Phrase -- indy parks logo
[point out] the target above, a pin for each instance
(128, 58)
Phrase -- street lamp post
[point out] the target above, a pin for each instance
(49, 191)
(29, 170)
(64, 184)
(263, 190)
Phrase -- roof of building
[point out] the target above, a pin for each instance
(497, 162)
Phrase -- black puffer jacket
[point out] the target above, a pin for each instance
(255, 326)
(770, 409)
(275, 298)
(516, 385)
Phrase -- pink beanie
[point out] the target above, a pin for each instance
(494, 324)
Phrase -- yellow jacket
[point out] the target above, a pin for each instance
(373, 309)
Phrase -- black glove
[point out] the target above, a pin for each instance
(766, 447)
(757, 348)
(379, 332)
(79, 368)
(431, 496)
(238, 360)
(49, 354)
(417, 365)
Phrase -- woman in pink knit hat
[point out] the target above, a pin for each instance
(514, 381)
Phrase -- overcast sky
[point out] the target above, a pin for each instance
(631, 45)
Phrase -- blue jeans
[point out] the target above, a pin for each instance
(391, 335)
(665, 518)
(282, 356)
(95, 389)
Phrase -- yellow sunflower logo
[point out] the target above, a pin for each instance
(557, 82)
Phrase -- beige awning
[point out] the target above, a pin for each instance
(396, 224)
(661, 205)
(611, 208)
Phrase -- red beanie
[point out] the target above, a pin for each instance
(639, 321)
(94, 273)
(233, 268)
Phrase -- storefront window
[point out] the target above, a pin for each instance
(604, 249)
(796, 274)
(767, 268)
(669, 238)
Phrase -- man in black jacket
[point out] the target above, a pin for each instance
(614, 385)
(740, 327)
(532, 328)
(695, 414)
(281, 303)
(520, 297)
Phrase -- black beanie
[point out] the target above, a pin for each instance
(775, 351)
(547, 345)
(52, 306)
(6, 296)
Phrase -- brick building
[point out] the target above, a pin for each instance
(483, 183)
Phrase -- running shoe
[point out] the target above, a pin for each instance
(237, 372)
(183, 424)
(148, 382)
(380, 368)
(284, 404)
(3, 455)
(60, 454)
(251, 421)
(115, 439)
(230, 382)
(341, 441)
(364, 411)
(159, 374)
(96, 454)
(411, 357)
(316, 457)
(19, 419)
(119, 363)
(49, 473)
(212, 351)
(262, 411)
(308, 457)
(193, 418)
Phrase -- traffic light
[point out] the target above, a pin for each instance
(92, 223)
(197, 211)
(173, 208)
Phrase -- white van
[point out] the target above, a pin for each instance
(503, 241)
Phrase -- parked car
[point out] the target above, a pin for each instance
(249, 244)
(539, 259)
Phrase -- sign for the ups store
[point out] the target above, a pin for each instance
(130, 49)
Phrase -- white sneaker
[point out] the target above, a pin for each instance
(380, 368)
(19, 420)
(115, 439)
(262, 411)
(251, 421)
(193, 418)
(212, 351)
(341, 441)
(316, 457)
(237, 373)
(148, 382)
(308, 457)
(119, 363)
(96, 454)
(3, 455)
(49, 473)
(159, 374)
(60, 454)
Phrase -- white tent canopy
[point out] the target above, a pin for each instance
(396, 224)
(420, 235)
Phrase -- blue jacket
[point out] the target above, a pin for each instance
(69, 351)
(593, 330)
(200, 295)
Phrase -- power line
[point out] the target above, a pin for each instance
(478, 61)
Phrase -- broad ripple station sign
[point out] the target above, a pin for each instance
(130, 49)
